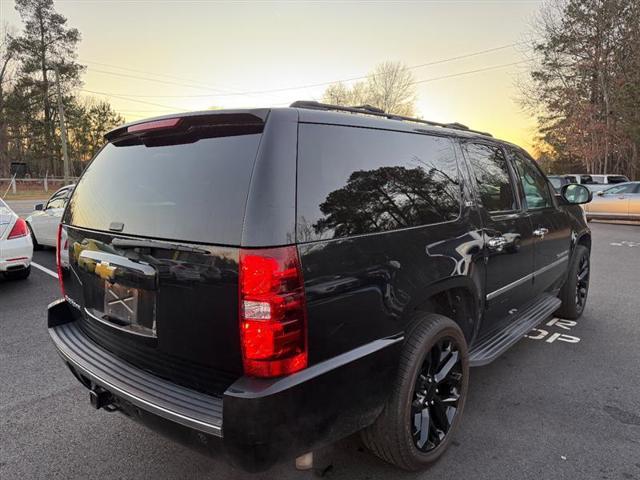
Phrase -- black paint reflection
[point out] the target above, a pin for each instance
(388, 198)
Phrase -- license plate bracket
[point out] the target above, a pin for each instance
(130, 309)
(121, 303)
(126, 308)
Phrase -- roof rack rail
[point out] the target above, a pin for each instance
(378, 112)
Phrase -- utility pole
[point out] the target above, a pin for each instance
(63, 128)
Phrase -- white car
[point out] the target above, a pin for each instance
(609, 179)
(16, 248)
(589, 179)
(44, 221)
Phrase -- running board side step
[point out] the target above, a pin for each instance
(486, 349)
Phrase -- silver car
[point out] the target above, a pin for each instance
(621, 201)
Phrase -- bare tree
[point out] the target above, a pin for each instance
(389, 87)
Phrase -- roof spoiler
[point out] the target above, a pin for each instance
(184, 121)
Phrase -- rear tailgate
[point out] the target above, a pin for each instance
(153, 232)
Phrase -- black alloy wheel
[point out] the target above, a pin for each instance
(582, 282)
(576, 287)
(436, 395)
(425, 405)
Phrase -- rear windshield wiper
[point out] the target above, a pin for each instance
(129, 243)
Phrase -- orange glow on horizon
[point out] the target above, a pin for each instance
(192, 55)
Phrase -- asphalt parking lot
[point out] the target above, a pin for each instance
(564, 403)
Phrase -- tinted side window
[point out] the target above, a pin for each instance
(534, 183)
(586, 179)
(56, 203)
(492, 175)
(617, 179)
(58, 199)
(353, 181)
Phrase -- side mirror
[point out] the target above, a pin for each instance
(600, 193)
(576, 194)
(39, 206)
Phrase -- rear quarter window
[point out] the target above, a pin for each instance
(354, 181)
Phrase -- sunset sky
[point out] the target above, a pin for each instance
(157, 57)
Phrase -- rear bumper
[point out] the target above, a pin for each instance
(257, 422)
(175, 403)
(15, 254)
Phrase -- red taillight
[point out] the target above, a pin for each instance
(60, 242)
(19, 229)
(154, 125)
(273, 314)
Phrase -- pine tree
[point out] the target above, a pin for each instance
(46, 41)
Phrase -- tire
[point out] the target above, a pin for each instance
(574, 291)
(36, 246)
(18, 274)
(396, 435)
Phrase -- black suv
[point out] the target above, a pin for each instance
(264, 282)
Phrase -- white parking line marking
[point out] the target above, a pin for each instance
(45, 270)
(625, 243)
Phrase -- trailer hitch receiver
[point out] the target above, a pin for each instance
(101, 398)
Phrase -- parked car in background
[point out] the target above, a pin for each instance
(16, 248)
(586, 178)
(43, 222)
(596, 187)
(608, 179)
(559, 181)
(264, 282)
(581, 178)
(621, 202)
(596, 183)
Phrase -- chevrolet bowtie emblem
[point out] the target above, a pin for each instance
(105, 271)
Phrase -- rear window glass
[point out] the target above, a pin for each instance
(190, 192)
(354, 181)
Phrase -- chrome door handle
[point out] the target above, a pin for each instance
(497, 244)
(541, 232)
